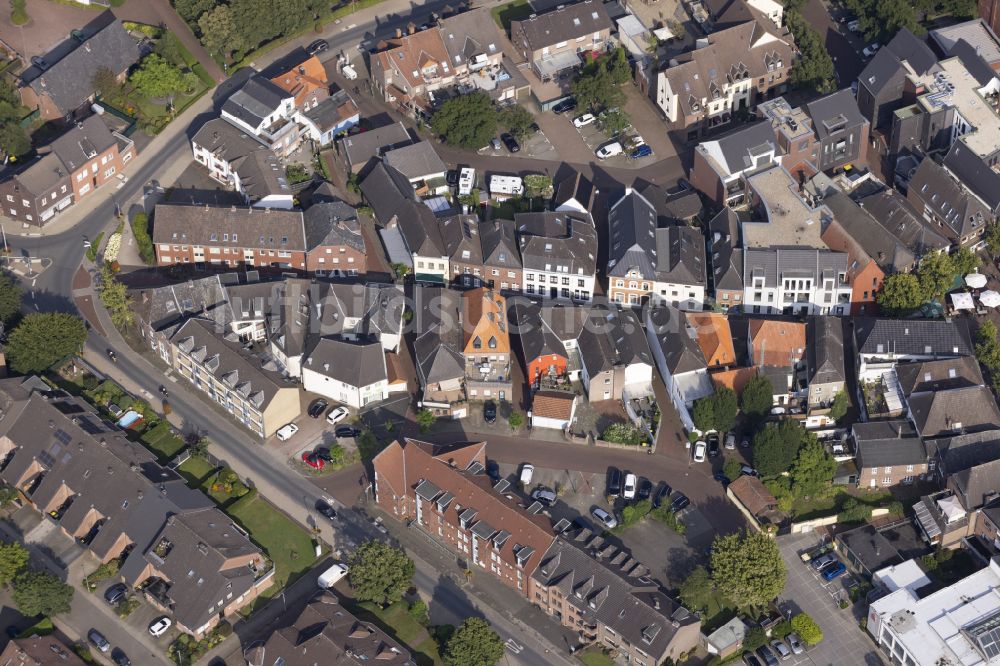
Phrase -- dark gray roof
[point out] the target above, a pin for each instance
(255, 101)
(82, 143)
(561, 236)
(43, 175)
(360, 148)
(276, 229)
(940, 375)
(870, 547)
(883, 72)
(354, 364)
(611, 594)
(438, 336)
(395, 204)
(978, 484)
(912, 337)
(677, 340)
(888, 443)
(726, 257)
(773, 264)
(68, 78)
(416, 160)
(938, 413)
(499, 244)
(262, 174)
(226, 141)
(165, 307)
(564, 24)
(613, 338)
(680, 255)
(684, 206)
(914, 51)
(533, 332)
(825, 346)
(461, 238)
(975, 173)
(896, 215)
(469, 34)
(739, 148)
(574, 188)
(333, 223)
(632, 229)
(332, 111)
(377, 308)
(888, 251)
(565, 321)
(968, 450)
(835, 110)
(948, 199)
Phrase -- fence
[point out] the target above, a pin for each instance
(810, 525)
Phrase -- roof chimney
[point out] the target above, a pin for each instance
(399, 33)
(411, 28)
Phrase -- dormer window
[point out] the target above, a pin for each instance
(477, 343)
(493, 343)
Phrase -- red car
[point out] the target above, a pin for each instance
(313, 460)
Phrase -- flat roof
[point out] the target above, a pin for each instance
(790, 222)
(954, 86)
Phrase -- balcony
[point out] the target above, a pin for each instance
(57, 514)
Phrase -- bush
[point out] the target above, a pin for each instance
(140, 230)
(18, 12)
(807, 629)
(126, 607)
(418, 611)
(633, 513)
(670, 519)
(623, 433)
(94, 245)
(854, 511)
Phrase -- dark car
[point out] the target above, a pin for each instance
(511, 143)
(662, 493)
(346, 431)
(713, 444)
(567, 104)
(683, 184)
(317, 408)
(114, 594)
(120, 658)
(680, 502)
(750, 660)
(318, 46)
(493, 471)
(98, 639)
(721, 478)
(325, 509)
(764, 652)
(452, 177)
(641, 151)
(645, 488)
(12, 631)
(490, 411)
(614, 485)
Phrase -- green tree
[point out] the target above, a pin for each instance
(725, 408)
(814, 69)
(155, 77)
(106, 83)
(468, 121)
(14, 140)
(854, 511)
(10, 301)
(13, 562)
(169, 48)
(41, 593)
(696, 590)
(987, 345)
(964, 261)
(474, 644)
(516, 119)
(42, 338)
(594, 88)
(116, 298)
(614, 122)
(191, 10)
(776, 446)
(812, 470)
(936, 274)
(618, 67)
(732, 468)
(747, 568)
(901, 294)
(220, 31)
(757, 398)
(515, 420)
(426, 419)
(754, 638)
(839, 407)
(807, 629)
(703, 413)
(380, 573)
(993, 237)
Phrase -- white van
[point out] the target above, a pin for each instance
(466, 181)
(609, 150)
(329, 578)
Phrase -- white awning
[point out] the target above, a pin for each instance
(963, 301)
(975, 280)
(990, 298)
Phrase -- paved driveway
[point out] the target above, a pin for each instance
(844, 641)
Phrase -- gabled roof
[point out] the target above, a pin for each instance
(632, 229)
(726, 257)
(960, 452)
(563, 24)
(912, 337)
(83, 142)
(300, 75)
(574, 192)
(940, 375)
(561, 236)
(614, 338)
(897, 216)
(499, 244)
(332, 111)
(333, 223)
(776, 264)
(275, 229)
(743, 150)
(255, 101)
(417, 160)
(162, 307)
(714, 337)
(680, 255)
(360, 148)
(409, 55)
(677, 339)
(825, 340)
(533, 332)
(939, 413)
(553, 404)
(975, 173)
(68, 78)
(485, 322)
(855, 226)
(461, 238)
(777, 343)
(354, 364)
(395, 204)
(469, 34)
(978, 484)
(752, 494)
(913, 51)
(948, 199)
(834, 110)
(438, 341)
(888, 444)
(226, 141)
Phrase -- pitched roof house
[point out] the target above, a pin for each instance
(486, 344)
(553, 41)
(944, 200)
(350, 373)
(616, 359)
(910, 339)
(407, 68)
(888, 453)
(938, 413)
(824, 360)
(942, 375)
(726, 257)
(559, 246)
(438, 348)
(674, 343)
(777, 343)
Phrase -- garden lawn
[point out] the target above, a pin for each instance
(512, 11)
(196, 470)
(397, 622)
(162, 441)
(289, 546)
(818, 507)
(595, 657)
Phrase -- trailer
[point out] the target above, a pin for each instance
(466, 181)
(505, 187)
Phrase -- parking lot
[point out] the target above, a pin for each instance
(595, 138)
(536, 146)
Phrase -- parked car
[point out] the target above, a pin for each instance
(317, 408)
(493, 471)
(795, 643)
(631, 484)
(511, 143)
(331, 576)
(567, 104)
(337, 414)
(747, 470)
(346, 431)
(834, 571)
(870, 50)
(527, 471)
(640, 151)
(680, 502)
(584, 120)
(614, 484)
(604, 518)
(287, 431)
(662, 493)
(495, 143)
(159, 626)
(713, 444)
(451, 178)
(750, 660)
(318, 46)
(854, 26)
(609, 150)
(765, 653)
(98, 639)
(699, 451)
(313, 460)
(780, 649)
(120, 658)
(490, 411)
(328, 511)
(543, 495)
(116, 593)
(822, 561)
(730, 441)
(645, 488)
(721, 478)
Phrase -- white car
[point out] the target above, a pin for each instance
(609, 150)
(871, 49)
(287, 431)
(527, 471)
(349, 73)
(699, 451)
(584, 120)
(730, 441)
(629, 491)
(159, 626)
(605, 518)
(854, 26)
(336, 415)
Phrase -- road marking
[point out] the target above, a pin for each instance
(513, 646)
(33, 286)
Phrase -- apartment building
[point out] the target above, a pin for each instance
(473, 42)
(726, 257)
(615, 360)
(501, 256)
(352, 373)
(555, 41)
(883, 81)
(824, 360)
(39, 651)
(673, 342)
(948, 205)
(558, 254)
(408, 68)
(445, 492)
(326, 240)
(35, 193)
(438, 350)
(256, 397)
(889, 453)
(487, 345)
(737, 68)
(720, 165)
(792, 280)
(267, 111)
(92, 155)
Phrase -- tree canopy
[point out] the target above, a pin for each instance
(936, 274)
(777, 445)
(474, 644)
(516, 119)
(696, 590)
(747, 568)
(42, 338)
(468, 121)
(840, 405)
(155, 77)
(807, 629)
(116, 298)
(10, 301)
(716, 411)
(13, 561)
(812, 470)
(14, 139)
(901, 294)
(41, 593)
(235, 28)
(814, 69)
(757, 398)
(598, 85)
(380, 573)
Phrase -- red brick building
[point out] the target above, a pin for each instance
(92, 155)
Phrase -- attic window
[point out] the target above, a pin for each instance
(576, 21)
(493, 343)
(477, 343)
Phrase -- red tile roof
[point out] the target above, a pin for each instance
(553, 404)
